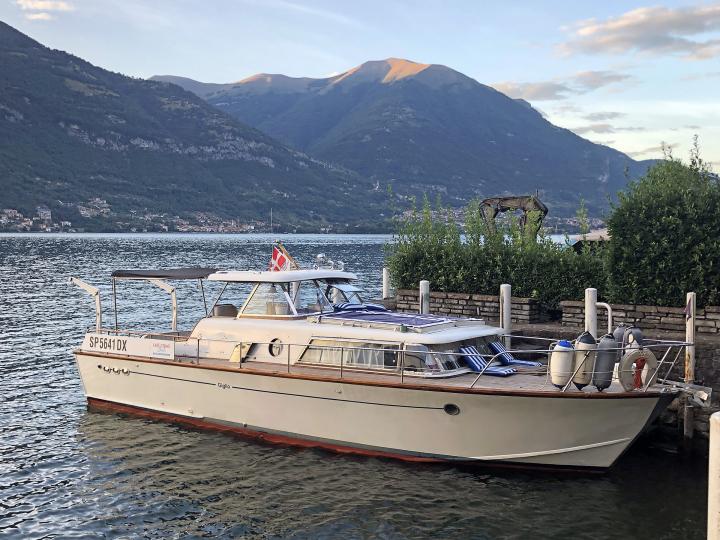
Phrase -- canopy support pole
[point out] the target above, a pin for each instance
(219, 296)
(202, 289)
(115, 303)
(171, 291)
(95, 293)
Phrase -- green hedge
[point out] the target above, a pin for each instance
(665, 241)
(429, 245)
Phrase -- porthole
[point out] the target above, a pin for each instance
(275, 347)
(451, 409)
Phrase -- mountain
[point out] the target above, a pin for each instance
(93, 145)
(425, 128)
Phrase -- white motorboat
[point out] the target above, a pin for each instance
(301, 359)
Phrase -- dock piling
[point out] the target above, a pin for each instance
(713, 509)
(385, 283)
(424, 296)
(591, 311)
(690, 338)
(506, 312)
(689, 411)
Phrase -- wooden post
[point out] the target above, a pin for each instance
(689, 412)
(506, 312)
(690, 338)
(386, 283)
(713, 509)
(424, 299)
(591, 311)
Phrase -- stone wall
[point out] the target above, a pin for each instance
(670, 319)
(524, 310)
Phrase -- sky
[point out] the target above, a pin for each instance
(634, 76)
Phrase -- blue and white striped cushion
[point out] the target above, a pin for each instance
(507, 358)
(477, 363)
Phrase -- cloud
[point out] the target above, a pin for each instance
(599, 116)
(592, 80)
(604, 128)
(566, 108)
(555, 89)
(701, 76)
(653, 150)
(37, 10)
(42, 16)
(604, 143)
(44, 5)
(654, 30)
(539, 91)
(594, 128)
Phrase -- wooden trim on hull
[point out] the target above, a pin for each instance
(274, 438)
(406, 386)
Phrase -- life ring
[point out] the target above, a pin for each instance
(636, 366)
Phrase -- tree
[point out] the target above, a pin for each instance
(664, 235)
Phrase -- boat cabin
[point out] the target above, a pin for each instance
(284, 294)
(319, 318)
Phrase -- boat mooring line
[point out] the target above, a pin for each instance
(289, 394)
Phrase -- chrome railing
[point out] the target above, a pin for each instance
(398, 367)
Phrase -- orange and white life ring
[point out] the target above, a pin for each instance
(637, 369)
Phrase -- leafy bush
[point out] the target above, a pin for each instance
(429, 245)
(665, 236)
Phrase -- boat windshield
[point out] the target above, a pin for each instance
(286, 299)
(344, 293)
(268, 299)
(309, 298)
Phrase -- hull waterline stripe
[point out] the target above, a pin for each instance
(288, 393)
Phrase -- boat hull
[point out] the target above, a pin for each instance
(513, 429)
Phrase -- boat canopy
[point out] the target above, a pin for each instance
(170, 273)
(282, 276)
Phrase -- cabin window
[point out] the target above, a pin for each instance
(352, 354)
(268, 299)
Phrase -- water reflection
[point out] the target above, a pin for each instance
(69, 472)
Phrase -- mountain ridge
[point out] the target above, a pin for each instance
(71, 132)
(426, 128)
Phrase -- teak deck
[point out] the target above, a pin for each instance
(530, 381)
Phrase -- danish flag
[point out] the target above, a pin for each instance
(281, 259)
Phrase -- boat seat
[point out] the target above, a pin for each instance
(224, 310)
(277, 308)
(507, 359)
(477, 363)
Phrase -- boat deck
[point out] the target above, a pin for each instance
(530, 381)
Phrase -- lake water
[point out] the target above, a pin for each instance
(66, 472)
